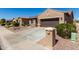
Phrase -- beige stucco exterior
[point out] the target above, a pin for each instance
(23, 20)
(49, 17)
(64, 17)
(52, 14)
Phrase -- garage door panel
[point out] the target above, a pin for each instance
(49, 23)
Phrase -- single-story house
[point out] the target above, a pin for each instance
(26, 21)
(50, 18)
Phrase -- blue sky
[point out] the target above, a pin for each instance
(9, 13)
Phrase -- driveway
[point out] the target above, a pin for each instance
(21, 41)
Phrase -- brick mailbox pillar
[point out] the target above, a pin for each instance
(50, 35)
(49, 40)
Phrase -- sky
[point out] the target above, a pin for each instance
(9, 13)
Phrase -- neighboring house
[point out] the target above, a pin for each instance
(22, 21)
(49, 18)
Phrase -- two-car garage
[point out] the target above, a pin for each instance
(49, 22)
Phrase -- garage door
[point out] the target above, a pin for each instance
(49, 22)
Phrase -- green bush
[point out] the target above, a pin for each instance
(10, 25)
(23, 24)
(2, 20)
(7, 26)
(16, 24)
(64, 30)
(2, 24)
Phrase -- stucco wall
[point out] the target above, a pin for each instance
(52, 14)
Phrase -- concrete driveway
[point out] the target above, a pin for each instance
(19, 41)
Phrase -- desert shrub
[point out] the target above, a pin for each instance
(23, 24)
(2, 22)
(16, 24)
(8, 23)
(64, 30)
(7, 26)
